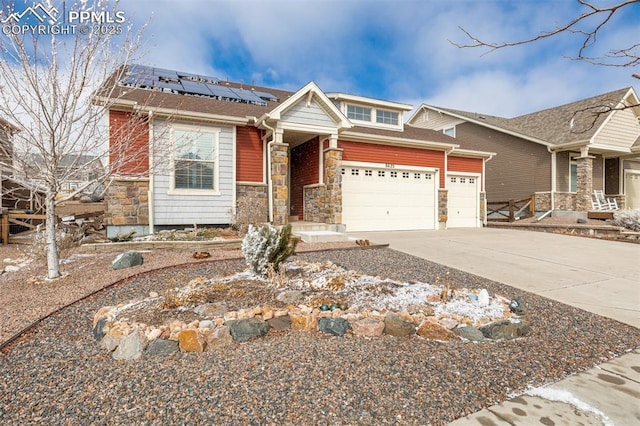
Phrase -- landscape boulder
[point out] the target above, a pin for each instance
(397, 327)
(336, 326)
(244, 329)
(127, 260)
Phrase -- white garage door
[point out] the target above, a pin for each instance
(377, 199)
(632, 189)
(463, 202)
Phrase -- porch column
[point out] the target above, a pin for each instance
(333, 182)
(584, 183)
(279, 180)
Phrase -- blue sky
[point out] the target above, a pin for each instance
(389, 49)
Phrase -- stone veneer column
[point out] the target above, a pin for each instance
(279, 180)
(127, 202)
(443, 195)
(333, 182)
(584, 184)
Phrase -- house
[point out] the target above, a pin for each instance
(77, 172)
(560, 154)
(198, 145)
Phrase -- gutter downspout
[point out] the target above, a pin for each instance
(269, 182)
(553, 184)
(150, 199)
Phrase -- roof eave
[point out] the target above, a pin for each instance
(489, 126)
(415, 143)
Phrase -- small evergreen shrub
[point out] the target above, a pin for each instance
(629, 219)
(267, 245)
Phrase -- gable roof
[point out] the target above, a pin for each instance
(309, 91)
(572, 122)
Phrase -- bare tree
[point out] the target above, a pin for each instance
(49, 71)
(588, 26)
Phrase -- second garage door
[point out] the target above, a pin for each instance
(462, 202)
(380, 199)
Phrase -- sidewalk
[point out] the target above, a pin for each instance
(598, 276)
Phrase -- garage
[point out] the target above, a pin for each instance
(376, 198)
(463, 201)
(632, 188)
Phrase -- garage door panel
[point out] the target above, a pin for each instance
(376, 199)
(463, 201)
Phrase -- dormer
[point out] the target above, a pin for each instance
(369, 112)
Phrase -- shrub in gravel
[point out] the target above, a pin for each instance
(629, 219)
(267, 245)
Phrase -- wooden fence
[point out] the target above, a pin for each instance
(16, 226)
(512, 210)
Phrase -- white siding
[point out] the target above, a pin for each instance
(172, 209)
(312, 115)
(434, 120)
(621, 131)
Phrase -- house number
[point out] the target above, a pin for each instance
(390, 166)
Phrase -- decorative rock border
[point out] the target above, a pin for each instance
(130, 341)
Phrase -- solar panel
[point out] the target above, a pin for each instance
(161, 72)
(139, 80)
(249, 96)
(223, 92)
(170, 84)
(266, 96)
(196, 88)
(187, 83)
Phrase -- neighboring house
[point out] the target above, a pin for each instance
(560, 154)
(77, 172)
(308, 155)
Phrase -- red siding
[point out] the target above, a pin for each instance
(249, 155)
(305, 168)
(462, 164)
(385, 154)
(128, 143)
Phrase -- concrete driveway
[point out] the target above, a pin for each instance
(598, 276)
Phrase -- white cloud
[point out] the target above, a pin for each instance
(396, 50)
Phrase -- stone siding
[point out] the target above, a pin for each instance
(333, 182)
(443, 212)
(566, 201)
(315, 203)
(584, 184)
(254, 196)
(127, 202)
(279, 179)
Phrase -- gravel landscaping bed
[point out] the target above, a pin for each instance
(57, 374)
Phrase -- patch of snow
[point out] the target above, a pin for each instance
(470, 309)
(560, 395)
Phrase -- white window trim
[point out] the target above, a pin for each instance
(444, 130)
(215, 131)
(374, 113)
(572, 160)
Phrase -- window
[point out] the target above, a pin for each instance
(194, 162)
(450, 131)
(453, 180)
(358, 113)
(573, 170)
(405, 175)
(386, 117)
(393, 174)
(416, 176)
(427, 176)
(368, 173)
(355, 172)
(380, 173)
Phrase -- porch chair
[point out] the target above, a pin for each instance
(603, 202)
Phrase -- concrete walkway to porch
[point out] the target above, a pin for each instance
(598, 276)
